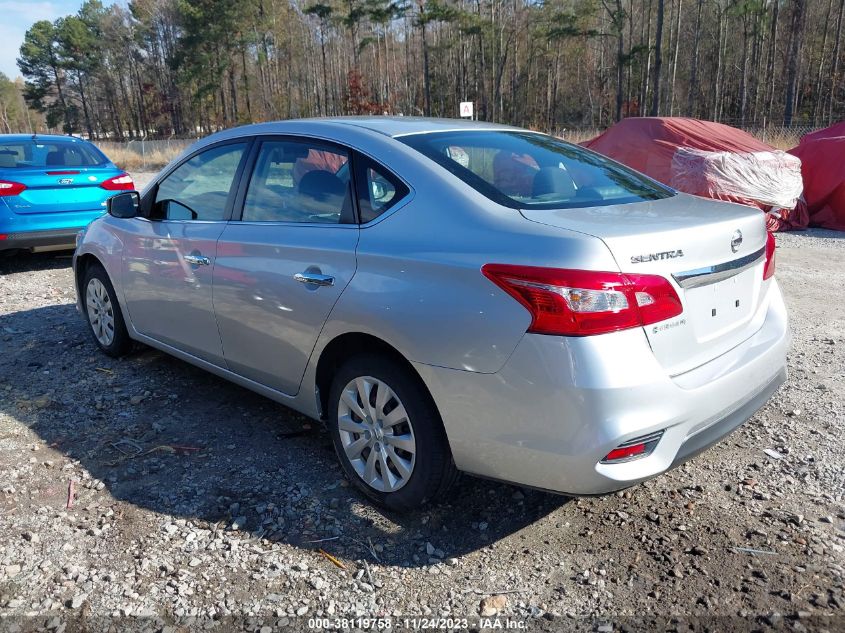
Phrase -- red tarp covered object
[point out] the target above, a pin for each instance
(822, 155)
(711, 160)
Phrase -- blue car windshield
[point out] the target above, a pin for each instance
(48, 153)
(534, 171)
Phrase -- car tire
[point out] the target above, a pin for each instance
(400, 430)
(102, 311)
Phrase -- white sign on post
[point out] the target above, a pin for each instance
(466, 109)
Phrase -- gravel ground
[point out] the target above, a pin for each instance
(191, 497)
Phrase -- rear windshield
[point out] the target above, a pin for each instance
(534, 171)
(38, 153)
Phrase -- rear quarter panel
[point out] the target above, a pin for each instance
(419, 284)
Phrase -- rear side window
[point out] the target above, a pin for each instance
(199, 188)
(378, 189)
(46, 154)
(534, 171)
(299, 181)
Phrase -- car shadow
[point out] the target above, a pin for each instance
(24, 261)
(168, 437)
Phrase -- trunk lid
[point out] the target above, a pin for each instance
(713, 254)
(60, 189)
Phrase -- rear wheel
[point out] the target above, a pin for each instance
(388, 435)
(103, 313)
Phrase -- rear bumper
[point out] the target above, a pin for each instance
(559, 405)
(705, 438)
(56, 239)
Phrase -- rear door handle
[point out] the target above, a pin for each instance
(197, 260)
(314, 278)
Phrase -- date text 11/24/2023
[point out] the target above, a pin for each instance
(414, 623)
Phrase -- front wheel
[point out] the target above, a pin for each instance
(388, 435)
(102, 312)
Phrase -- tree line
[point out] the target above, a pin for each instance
(160, 68)
(15, 116)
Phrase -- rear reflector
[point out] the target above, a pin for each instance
(586, 302)
(769, 266)
(123, 182)
(3, 236)
(625, 452)
(9, 188)
(633, 449)
(62, 173)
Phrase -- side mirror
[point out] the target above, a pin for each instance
(124, 205)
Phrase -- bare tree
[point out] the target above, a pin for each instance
(692, 90)
(658, 60)
(166, 67)
(834, 76)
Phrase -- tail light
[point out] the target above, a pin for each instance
(9, 188)
(123, 182)
(769, 266)
(585, 302)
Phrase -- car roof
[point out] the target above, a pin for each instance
(401, 125)
(11, 138)
(392, 126)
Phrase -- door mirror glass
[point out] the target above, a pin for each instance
(124, 205)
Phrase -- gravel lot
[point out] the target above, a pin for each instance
(194, 497)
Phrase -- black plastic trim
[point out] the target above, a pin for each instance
(36, 239)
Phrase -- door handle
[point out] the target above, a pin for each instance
(197, 260)
(314, 278)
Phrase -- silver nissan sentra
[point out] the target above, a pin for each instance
(448, 296)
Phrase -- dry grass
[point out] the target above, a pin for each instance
(160, 153)
(580, 135)
(780, 138)
(132, 160)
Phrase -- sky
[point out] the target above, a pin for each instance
(16, 16)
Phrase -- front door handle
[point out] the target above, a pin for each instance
(314, 278)
(197, 260)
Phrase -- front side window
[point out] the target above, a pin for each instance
(199, 188)
(534, 171)
(46, 154)
(299, 181)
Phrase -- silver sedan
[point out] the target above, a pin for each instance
(448, 296)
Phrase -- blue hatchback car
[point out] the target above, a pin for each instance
(50, 188)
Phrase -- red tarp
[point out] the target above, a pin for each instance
(822, 155)
(712, 160)
(835, 130)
